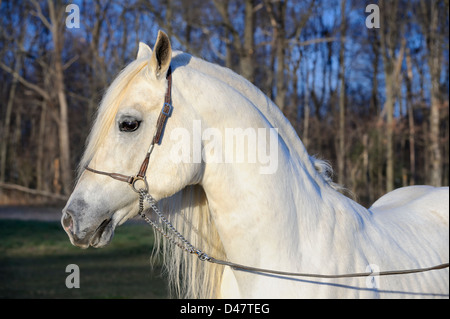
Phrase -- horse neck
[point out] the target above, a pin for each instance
(246, 204)
(263, 220)
(281, 222)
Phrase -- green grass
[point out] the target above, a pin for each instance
(34, 256)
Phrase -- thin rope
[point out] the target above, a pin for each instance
(178, 240)
(351, 275)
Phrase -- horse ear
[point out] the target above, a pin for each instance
(161, 56)
(144, 51)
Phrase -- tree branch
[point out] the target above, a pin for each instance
(25, 82)
(40, 15)
(314, 41)
(32, 191)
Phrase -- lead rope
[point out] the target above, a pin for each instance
(185, 245)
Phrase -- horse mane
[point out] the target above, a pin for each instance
(188, 211)
(326, 172)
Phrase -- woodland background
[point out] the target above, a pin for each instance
(374, 102)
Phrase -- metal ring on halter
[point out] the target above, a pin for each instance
(136, 179)
(202, 256)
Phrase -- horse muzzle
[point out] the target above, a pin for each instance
(96, 236)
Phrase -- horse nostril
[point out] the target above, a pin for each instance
(67, 222)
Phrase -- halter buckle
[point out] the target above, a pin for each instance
(170, 107)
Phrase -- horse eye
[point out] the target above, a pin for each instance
(129, 125)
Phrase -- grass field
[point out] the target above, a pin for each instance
(34, 256)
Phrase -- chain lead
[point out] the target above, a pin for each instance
(182, 242)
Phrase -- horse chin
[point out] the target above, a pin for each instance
(103, 234)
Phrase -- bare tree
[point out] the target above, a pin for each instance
(56, 27)
(242, 42)
(277, 14)
(411, 124)
(341, 134)
(294, 51)
(10, 102)
(390, 36)
(431, 20)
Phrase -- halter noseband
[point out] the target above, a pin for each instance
(157, 136)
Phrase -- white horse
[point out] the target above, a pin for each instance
(291, 218)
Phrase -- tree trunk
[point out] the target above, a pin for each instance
(411, 125)
(341, 132)
(6, 123)
(392, 66)
(366, 173)
(305, 136)
(63, 126)
(280, 53)
(389, 108)
(277, 13)
(10, 103)
(40, 152)
(247, 56)
(434, 64)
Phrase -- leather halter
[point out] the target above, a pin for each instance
(157, 136)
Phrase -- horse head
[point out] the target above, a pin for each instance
(124, 128)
